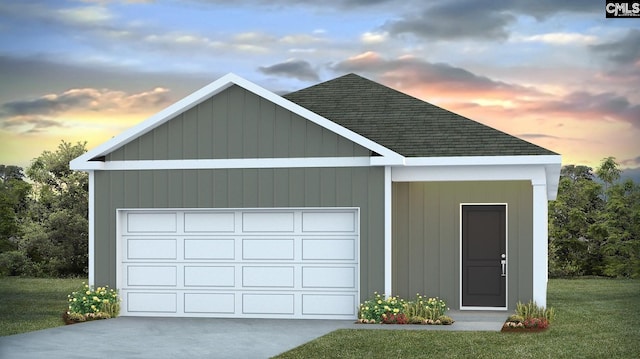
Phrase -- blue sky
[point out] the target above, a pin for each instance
(558, 74)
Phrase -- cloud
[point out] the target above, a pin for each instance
(590, 106)
(536, 136)
(30, 124)
(558, 38)
(35, 115)
(439, 79)
(625, 50)
(449, 20)
(298, 69)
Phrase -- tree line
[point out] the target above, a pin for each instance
(594, 224)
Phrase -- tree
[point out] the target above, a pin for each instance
(55, 234)
(594, 224)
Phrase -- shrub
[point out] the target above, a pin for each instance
(445, 320)
(515, 318)
(89, 302)
(532, 310)
(376, 307)
(428, 308)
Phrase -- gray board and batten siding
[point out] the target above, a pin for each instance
(238, 124)
(426, 236)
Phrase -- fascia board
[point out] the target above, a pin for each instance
(538, 169)
(205, 93)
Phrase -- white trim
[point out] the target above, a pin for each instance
(484, 160)
(207, 92)
(540, 244)
(387, 232)
(298, 162)
(92, 227)
(548, 174)
(506, 249)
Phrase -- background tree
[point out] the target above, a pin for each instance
(52, 236)
(594, 224)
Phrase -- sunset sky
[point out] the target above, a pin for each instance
(555, 73)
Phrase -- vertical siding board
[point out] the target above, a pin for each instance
(328, 187)
(235, 121)
(281, 188)
(312, 187)
(298, 136)
(146, 147)
(329, 144)
(249, 188)
(221, 191)
(160, 136)
(175, 138)
(190, 134)
(266, 129)
(174, 189)
(235, 184)
(343, 187)
(266, 187)
(145, 188)
(283, 135)
(189, 188)
(312, 140)
(204, 135)
(205, 189)
(160, 188)
(360, 198)
(250, 125)
(220, 122)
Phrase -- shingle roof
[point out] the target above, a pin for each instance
(405, 124)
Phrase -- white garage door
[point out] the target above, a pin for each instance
(275, 263)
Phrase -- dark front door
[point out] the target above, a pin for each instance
(483, 256)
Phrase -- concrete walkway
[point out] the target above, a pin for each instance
(129, 337)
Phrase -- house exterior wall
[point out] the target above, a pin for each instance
(426, 236)
(361, 187)
(237, 123)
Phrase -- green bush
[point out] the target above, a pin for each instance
(532, 310)
(89, 302)
(396, 310)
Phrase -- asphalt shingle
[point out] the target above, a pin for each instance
(405, 124)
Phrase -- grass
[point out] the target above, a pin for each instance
(28, 304)
(596, 318)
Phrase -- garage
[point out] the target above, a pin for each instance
(240, 263)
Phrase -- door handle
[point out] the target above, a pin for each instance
(503, 264)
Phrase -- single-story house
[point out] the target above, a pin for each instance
(238, 202)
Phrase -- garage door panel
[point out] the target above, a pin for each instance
(149, 248)
(202, 248)
(268, 277)
(211, 303)
(221, 222)
(329, 249)
(328, 221)
(152, 222)
(268, 249)
(268, 222)
(209, 276)
(149, 302)
(331, 304)
(152, 276)
(251, 263)
(268, 304)
(328, 277)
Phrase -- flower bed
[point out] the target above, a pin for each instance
(529, 318)
(91, 304)
(395, 310)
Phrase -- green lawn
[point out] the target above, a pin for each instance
(28, 304)
(596, 318)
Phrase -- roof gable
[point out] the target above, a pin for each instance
(89, 161)
(405, 124)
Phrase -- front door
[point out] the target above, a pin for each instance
(484, 256)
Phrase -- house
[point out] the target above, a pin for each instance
(237, 202)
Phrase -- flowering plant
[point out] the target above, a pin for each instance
(395, 310)
(95, 303)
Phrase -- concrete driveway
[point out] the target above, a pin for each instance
(155, 338)
(128, 337)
